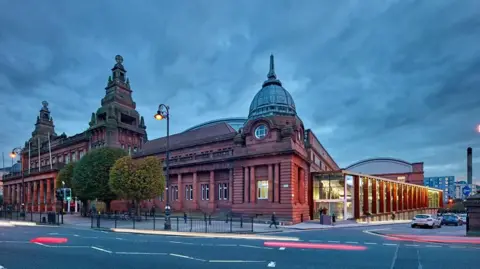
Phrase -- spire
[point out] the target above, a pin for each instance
(271, 76)
(271, 72)
(118, 71)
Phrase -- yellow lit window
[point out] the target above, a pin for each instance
(262, 189)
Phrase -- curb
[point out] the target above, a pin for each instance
(208, 235)
(341, 227)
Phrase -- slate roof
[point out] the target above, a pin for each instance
(208, 134)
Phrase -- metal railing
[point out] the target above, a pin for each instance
(37, 217)
(205, 224)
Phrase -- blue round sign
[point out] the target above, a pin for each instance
(466, 190)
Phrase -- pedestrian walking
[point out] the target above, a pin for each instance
(274, 221)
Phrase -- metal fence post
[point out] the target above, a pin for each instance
(31, 215)
(134, 217)
(252, 225)
(231, 224)
(116, 217)
(241, 221)
(154, 217)
(209, 219)
(178, 224)
(191, 224)
(206, 226)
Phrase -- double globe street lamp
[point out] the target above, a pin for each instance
(18, 151)
(163, 113)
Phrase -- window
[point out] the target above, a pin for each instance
(174, 193)
(54, 160)
(82, 153)
(74, 157)
(67, 159)
(223, 191)
(189, 192)
(262, 189)
(261, 131)
(205, 192)
(129, 150)
(135, 149)
(60, 159)
(123, 146)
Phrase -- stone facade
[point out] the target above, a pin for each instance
(115, 124)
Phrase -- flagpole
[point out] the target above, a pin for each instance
(29, 155)
(39, 161)
(50, 151)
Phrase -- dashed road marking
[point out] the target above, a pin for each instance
(457, 247)
(282, 248)
(270, 264)
(315, 241)
(226, 245)
(248, 246)
(333, 241)
(369, 243)
(186, 257)
(101, 249)
(408, 245)
(140, 253)
(388, 244)
(233, 261)
(433, 246)
(184, 243)
(351, 242)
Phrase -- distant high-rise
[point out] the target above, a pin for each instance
(469, 166)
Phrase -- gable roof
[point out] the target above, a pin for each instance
(208, 134)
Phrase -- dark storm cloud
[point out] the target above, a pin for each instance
(371, 78)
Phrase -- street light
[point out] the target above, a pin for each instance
(18, 151)
(163, 113)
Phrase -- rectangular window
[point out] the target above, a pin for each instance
(67, 159)
(205, 192)
(189, 192)
(175, 193)
(223, 191)
(74, 157)
(82, 153)
(262, 189)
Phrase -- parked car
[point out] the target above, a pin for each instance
(426, 220)
(463, 217)
(451, 220)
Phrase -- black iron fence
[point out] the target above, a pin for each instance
(205, 224)
(37, 217)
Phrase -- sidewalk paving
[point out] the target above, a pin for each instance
(318, 226)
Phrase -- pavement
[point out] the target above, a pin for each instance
(355, 247)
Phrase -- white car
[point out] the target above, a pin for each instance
(463, 217)
(426, 220)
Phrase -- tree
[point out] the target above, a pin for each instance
(137, 180)
(66, 175)
(91, 175)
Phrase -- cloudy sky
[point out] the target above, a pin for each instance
(371, 77)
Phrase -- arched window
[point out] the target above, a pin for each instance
(261, 131)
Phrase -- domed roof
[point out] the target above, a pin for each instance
(272, 99)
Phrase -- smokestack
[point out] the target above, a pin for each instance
(469, 165)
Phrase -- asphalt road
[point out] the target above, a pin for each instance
(98, 249)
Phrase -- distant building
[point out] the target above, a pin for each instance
(445, 183)
(459, 185)
(390, 168)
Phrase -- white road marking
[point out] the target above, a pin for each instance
(104, 232)
(270, 264)
(101, 249)
(53, 234)
(433, 246)
(226, 245)
(184, 243)
(282, 248)
(407, 245)
(237, 261)
(370, 243)
(333, 241)
(118, 238)
(419, 263)
(1, 267)
(140, 253)
(318, 241)
(457, 247)
(185, 257)
(207, 245)
(21, 242)
(248, 246)
(350, 242)
(43, 245)
(76, 235)
(388, 244)
(394, 257)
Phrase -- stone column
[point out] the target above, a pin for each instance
(253, 187)
(29, 196)
(270, 183)
(6, 196)
(19, 190)
(301, 188)
(41, 203)
(54, 198)
(230, 185)
(195, 191)
(276, 183)
(35, 196)
(49, 197)
(246, 187)
(211, 200)
(181, 191)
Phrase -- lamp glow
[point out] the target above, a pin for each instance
(13, 155)
(158, 116)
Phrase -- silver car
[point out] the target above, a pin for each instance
(426, 220)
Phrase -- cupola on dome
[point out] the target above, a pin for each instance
(272, 99)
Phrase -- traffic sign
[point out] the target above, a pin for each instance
(466, 190)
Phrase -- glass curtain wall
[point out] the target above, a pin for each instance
(334, 192)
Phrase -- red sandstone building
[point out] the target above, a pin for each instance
(265, 163)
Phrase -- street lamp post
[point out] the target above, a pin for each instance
(18, 151)
(163, 112)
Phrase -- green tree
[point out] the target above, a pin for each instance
(137, 180)
(66, 175)
(91, 175)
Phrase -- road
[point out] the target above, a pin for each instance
(94, 249)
